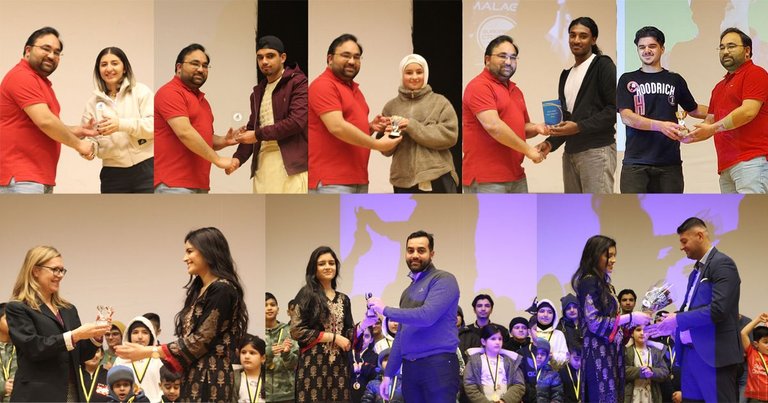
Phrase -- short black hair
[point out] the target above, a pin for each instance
(490, 330)
(166, 375)
(422, 234)
(759, 332)
(690, 223)
(650, 32)
(498, 41)
(153, 317)
(269, 296)
(257, 342)
(291, 304)
(482, 296)
(341, 39)
(627, 291)
(42, 32)
(189, 49)
(745, 39)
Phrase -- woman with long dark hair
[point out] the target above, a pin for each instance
(602, 360)
(123, 112)
(210, 325)
(322, 324)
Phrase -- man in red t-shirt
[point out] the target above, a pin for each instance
(31, 132)
(185, 146)
(339, 132)
(496, 124)
(738, 118)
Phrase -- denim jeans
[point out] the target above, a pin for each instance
(651, 179)
(746, 177)
(432, 379)
(336, 189)
(165, 189)
(520, 186)
(590, 171)
(26, 188)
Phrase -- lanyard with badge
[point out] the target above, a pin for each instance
(89, 392)
(143, 373)
(575, 383)
(279, 335)
(253, 397)
(763, 360)
(7, 366)
(494, 377)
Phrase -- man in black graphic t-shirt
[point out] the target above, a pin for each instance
(647, 100)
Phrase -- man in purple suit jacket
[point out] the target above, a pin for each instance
(706, 326)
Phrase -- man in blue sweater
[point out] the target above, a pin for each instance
(427, 340)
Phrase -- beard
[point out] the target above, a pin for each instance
(423, 265)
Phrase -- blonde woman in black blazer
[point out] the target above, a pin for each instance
(46, 331)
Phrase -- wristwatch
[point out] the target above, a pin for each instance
(155, 352)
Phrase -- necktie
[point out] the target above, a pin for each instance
(691, 283)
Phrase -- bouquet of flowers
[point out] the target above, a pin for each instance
(657, 297)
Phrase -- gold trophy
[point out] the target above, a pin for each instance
(681, 121)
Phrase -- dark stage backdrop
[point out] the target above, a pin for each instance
(437, 30)
(287, 20)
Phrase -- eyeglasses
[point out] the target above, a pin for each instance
(57, 271)
(348, 56)
(48, 50)
(506, 56)
(729, 47)
(196, 65)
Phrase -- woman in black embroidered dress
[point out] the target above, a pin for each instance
(325, 330)
(213, 320)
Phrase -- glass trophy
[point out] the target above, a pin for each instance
(395, 133)
(681, 121)
(104, 313)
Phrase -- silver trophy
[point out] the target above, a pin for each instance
(681, 121)
(104, 313)
(395, 133)
(657, 297)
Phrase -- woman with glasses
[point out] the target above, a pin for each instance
(47, 332)
(122, 111)
(212, 322)
(422, 162)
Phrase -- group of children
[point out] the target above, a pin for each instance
(529, 364)
(104, 377)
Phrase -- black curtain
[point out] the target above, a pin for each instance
(287, 20)
(437, 27)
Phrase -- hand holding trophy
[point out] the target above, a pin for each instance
(104, 314)
(657, 297)
(684, 132)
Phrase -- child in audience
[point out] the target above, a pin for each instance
(645, 370)
(757, 359)
(92, 378)
(170, 384)
(364, 364)
(570, 375)
(549, 387)
(121, 386)
(7, 358)
(395, 393)
(546, 328)
(146, 371)
(570, 324)
(493, 374)
(249, 381)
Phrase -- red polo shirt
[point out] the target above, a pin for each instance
(175, 164)
(26, 153)
(485, 159)
(332, 161)
(751, 140)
